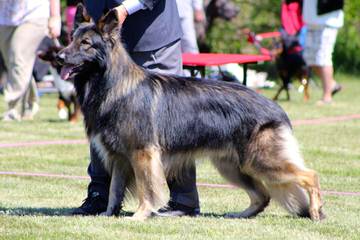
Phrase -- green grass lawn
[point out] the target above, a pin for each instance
(38, 207)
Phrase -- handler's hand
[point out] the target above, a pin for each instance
(199, 16)
(54, 26)
(121, 13)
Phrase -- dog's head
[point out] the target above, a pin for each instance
(224, 9)
(49, 55)
(90, 44)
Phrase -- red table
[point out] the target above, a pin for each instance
(199, 61)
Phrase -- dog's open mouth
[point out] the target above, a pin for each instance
(68, 71)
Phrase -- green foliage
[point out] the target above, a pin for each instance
(264, 16)
(347, 50)
(256, 15)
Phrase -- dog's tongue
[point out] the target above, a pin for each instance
(65, 72)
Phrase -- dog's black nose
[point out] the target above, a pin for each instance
(60, 58)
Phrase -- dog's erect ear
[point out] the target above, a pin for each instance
(109, 22)
(81, 16)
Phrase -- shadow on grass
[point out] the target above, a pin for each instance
(212, 215)
(51, 120)
(67, 212)
(35, 211)
(260, 216)
(45, 212)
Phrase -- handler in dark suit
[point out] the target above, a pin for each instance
(151, 33)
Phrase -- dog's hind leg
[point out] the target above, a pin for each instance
(279, 164)
(286, 81)
(150, 179)
(259, 197)
(276, 97)
(287, 93)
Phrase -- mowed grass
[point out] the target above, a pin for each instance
(39, 207)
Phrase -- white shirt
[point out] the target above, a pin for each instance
(132, 6)
(16, 12)
(334, 19)
(188, 6)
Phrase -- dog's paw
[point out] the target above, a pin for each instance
(236, 215)
(315, 215)
(63, 114)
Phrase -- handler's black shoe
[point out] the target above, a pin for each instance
(94, 204)
(174, 209)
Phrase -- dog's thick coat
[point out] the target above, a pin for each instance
(148, 126)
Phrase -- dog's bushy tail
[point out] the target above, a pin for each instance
(290, 194)
(279, 164)
(292, 197)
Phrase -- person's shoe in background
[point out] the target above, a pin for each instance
(11, 115)
(93, 205)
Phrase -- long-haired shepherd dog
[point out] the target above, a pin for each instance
(148, 126)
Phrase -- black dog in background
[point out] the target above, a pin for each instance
(67, 94)
(290, 64)
(223, 9)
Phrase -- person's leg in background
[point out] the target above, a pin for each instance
(326, 74)
(184, 199)
(319, 47)
(30, 105)
(6, 33)
(19, 53)
(98, 188)
(188, 40)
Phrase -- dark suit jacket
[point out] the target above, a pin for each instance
(150, 29)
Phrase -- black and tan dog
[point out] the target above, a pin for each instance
(148, 127)
(67, 96)
(290, 63)
(287, 53)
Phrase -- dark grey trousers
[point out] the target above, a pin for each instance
(166, 60)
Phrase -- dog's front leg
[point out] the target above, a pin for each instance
(150, 178)
(116, 191)
(305, 83)
(77, 110)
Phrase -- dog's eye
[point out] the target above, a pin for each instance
(85, 42)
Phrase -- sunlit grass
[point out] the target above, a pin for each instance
(39, 207)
